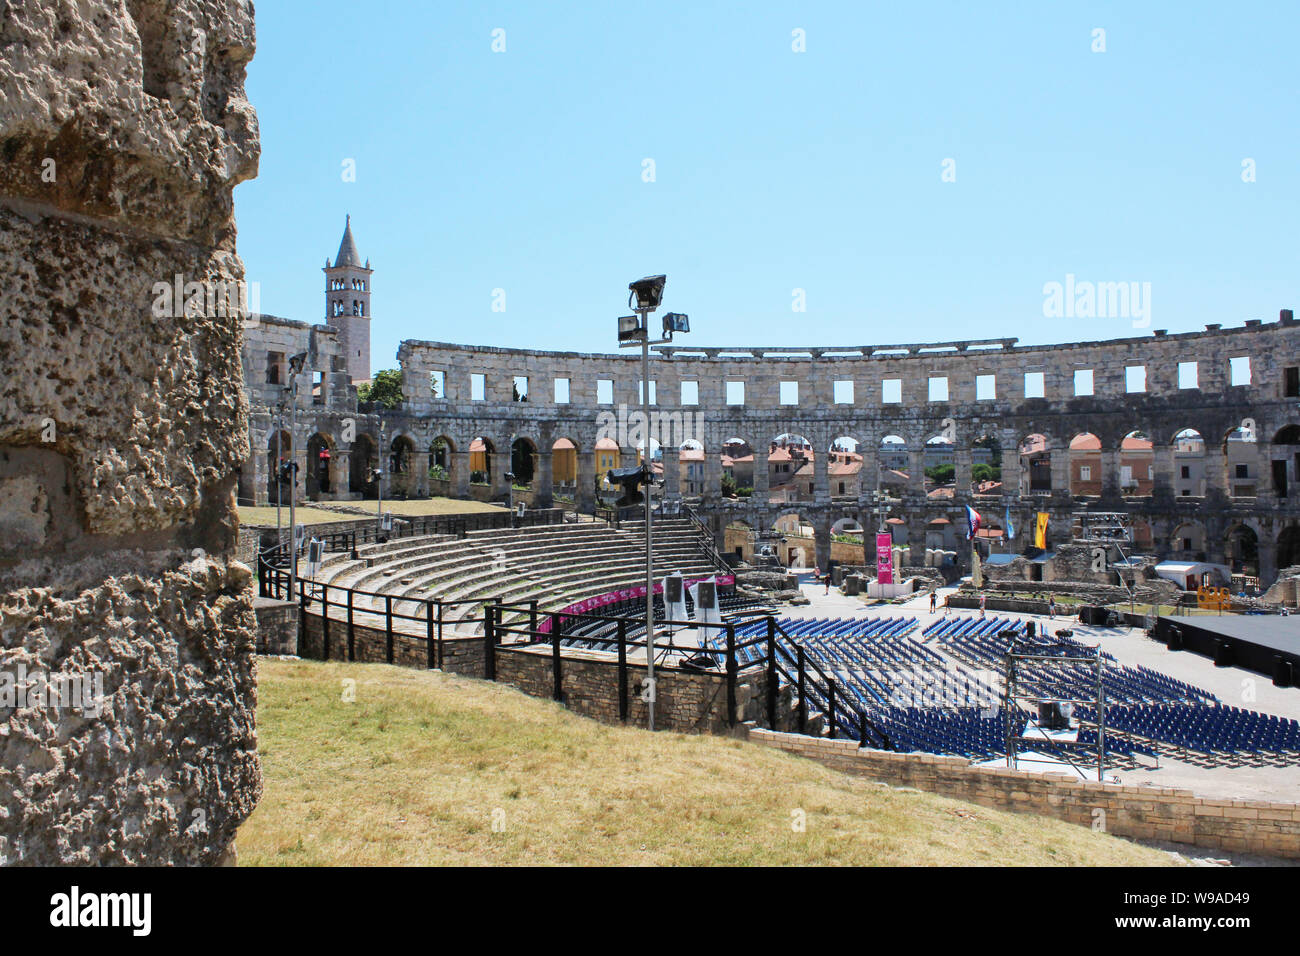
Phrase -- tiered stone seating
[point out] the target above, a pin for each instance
(556, 565)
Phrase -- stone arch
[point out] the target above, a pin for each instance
(400, 466)
(320, 462)
(1084, 450)
(564, 467)
(986, 463)
(791, 468)
(1036, 477)
(939, 465)
(1137, 465)
(362, 459)
(1189, 478)
(442, 461)
(736, 467)
(1188, 540)
(1241, 549)
(1284, 462)
(844, 467)
(893, 464)
(523, 460)
(797, 544)
(691, 468)
(1288, 546)
(1241, 477)
(482, 460)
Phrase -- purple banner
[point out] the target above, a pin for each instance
(885, 558)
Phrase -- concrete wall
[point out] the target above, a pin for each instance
(122, 421)
(1147, 813)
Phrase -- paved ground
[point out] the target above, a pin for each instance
(1232, 685)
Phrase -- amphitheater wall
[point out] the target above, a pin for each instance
(1144, 813)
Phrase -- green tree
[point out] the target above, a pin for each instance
(385, 388)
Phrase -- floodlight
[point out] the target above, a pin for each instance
(676, 322)
(629, 479)
(647, 292)
(629, 328)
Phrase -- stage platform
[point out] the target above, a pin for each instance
(1267, 644)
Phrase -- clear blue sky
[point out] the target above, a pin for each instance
(775, 170)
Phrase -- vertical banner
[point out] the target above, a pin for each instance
(1040, 531)
(885, 558)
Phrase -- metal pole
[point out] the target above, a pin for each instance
(279, 486)
(379, 486)
(1101, 717)
(293, 485)
(649, 553)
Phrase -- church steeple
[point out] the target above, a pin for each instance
(347, 304)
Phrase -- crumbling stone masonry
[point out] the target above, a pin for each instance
(123, 130)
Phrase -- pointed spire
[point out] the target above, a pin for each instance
(348, 255)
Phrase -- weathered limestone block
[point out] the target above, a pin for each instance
(127, 680)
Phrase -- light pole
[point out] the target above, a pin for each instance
(646, 295)
(291, 392)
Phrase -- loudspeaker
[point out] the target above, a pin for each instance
(1174, 639)
(674, 590)
(1283, 672)
(706, 595)
(1222, 652)
(1050, 716)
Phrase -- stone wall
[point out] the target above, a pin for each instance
(1145, 813)
(124, 128)
(688, 701)
(277, 626)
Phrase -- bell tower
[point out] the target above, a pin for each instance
(347, 304)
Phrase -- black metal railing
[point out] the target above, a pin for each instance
(706, 539)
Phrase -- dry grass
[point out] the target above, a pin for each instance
(265, 517)
(414, 770)
(308, 515)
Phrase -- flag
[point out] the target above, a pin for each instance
(973, 522)
(1011, 531)
(1040, 531)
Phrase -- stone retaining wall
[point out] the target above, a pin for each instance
(1144, 813)
(277, 626)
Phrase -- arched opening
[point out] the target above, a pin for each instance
(442, 465)
(608, 457)
(893, 465)
(790, 468)
(401, 455)
(564, 469)
(940, 467)
(1036, 465)
(796, 545)
(1085, 466)
(482, 455)
(523, 462)
(1285, 463)
(690, 468)
(1137, 468)
(737, 468)
(1241, 456)
(1288, 547)
(362, 461)
(1241, 547)
(320, 458)
(1189, 464)
(279, 450)
(986, 466)
(844, 468)
(1188, 542)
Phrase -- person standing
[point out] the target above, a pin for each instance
(982, 599)
(934, 600)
